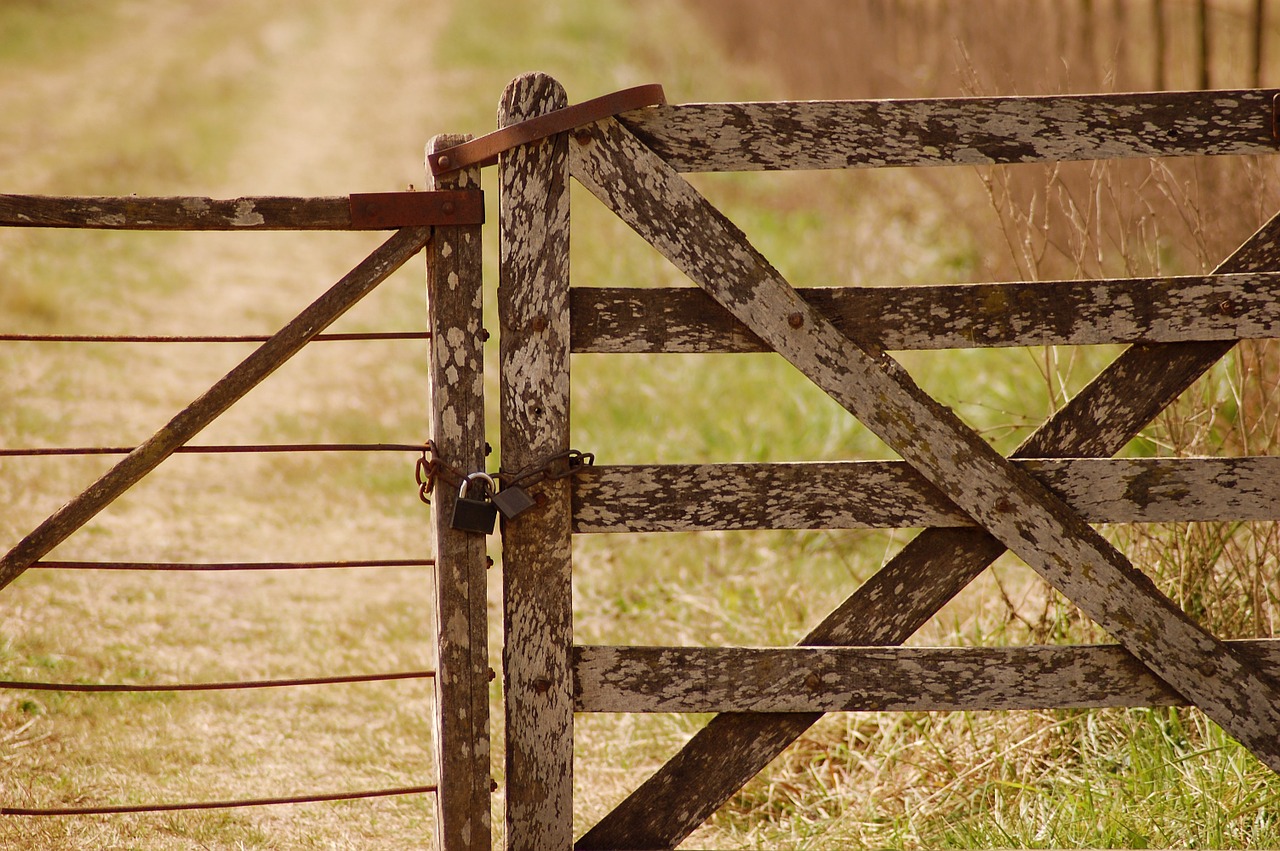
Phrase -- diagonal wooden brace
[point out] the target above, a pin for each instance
(894, 603)
(191, 420)
(908, 591)
(1018, 511)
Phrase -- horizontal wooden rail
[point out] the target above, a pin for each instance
(873, 679)
(628, 320)
(956, 131)
(375, 211)
(873, 494)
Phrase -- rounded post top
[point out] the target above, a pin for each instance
(528, 95)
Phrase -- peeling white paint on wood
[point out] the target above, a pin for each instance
(533, 308)
(874, 679)
(878, 495)
(454, 281)
(955, 131)
(1047, 313)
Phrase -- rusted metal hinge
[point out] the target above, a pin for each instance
(485, 150)
(389, 210)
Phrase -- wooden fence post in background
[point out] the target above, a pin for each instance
(1157, 28)
(463, 816)
(1204, 71)
(533, 310)
(1259, 30)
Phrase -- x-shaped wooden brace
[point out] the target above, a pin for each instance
(1013, 508)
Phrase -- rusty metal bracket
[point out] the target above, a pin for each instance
(1275, 118)
(390, 210)
(485, 150)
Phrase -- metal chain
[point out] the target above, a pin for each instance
(429, 468)
(575, 463)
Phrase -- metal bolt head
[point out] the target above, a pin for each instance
(448, 207)
(796, 320)
(444, 160)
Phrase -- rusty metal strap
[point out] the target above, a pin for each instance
(485, 150)
(389, 210)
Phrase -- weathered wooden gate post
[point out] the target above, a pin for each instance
(533, 311)
(454, 273)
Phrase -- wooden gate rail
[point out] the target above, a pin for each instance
(804, 135)
(372, 211)
(1040, 508)
(873, 679)
(891, 495)
(622, 320)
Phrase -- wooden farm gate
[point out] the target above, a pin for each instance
(1039, 504)
(975, 502)
(445, 223)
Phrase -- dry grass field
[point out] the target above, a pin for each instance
(325, 98)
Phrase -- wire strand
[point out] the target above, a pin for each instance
(216, 805)
(203, 338)
(232, 565)
(247, 448)
(224, 686)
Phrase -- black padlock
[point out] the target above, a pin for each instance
(471, 514)
(513, 501)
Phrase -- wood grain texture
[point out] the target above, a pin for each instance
(1048, 313)
(955, 131)
(886, 495)
(267, 358)
(636, 817)
(874, 679)
(533, 308)
(908, 591)
(455, 317)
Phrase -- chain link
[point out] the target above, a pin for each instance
(430, 468)
(574, 463)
